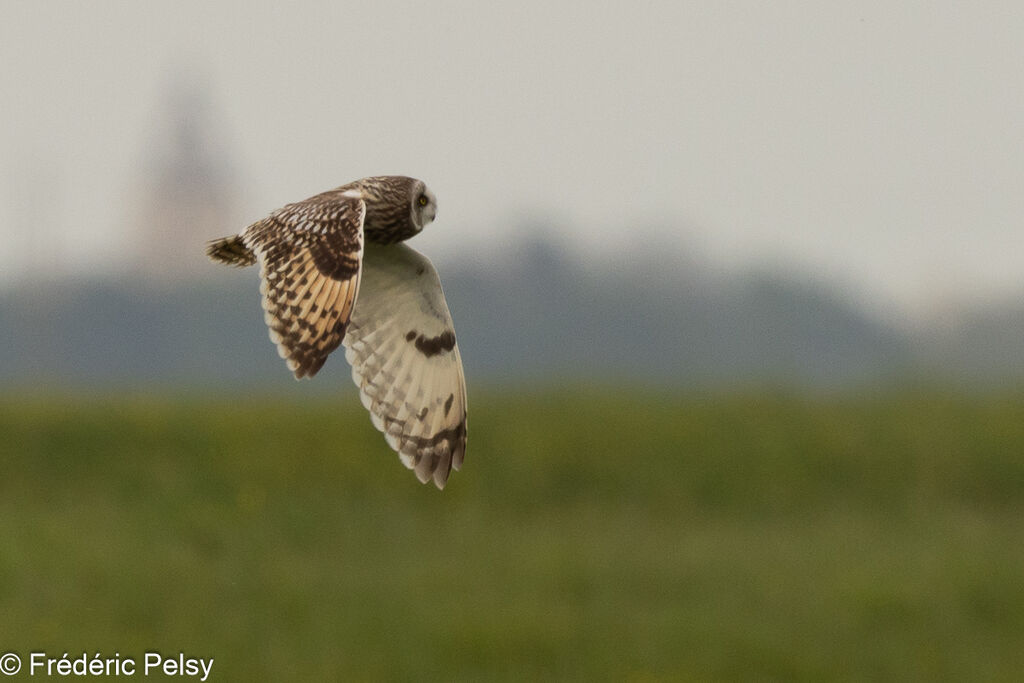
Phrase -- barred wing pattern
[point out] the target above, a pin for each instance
(401, 345)
(309, 255)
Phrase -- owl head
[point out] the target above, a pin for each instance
(424, 204)
(397, 207)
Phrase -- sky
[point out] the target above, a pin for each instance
(876, 144)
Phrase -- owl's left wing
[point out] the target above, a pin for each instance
(401, 345)
(309, 255)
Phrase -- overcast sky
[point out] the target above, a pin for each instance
(879, 143)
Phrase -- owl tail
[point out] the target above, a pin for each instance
(231, 250)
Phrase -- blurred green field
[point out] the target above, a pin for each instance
(592, 535)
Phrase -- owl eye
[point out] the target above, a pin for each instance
(423, 200)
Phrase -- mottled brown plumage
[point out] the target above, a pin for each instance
(309, 255)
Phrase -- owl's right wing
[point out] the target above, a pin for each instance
(401, 345)
(309, 254)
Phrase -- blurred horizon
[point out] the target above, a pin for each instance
(545, 317)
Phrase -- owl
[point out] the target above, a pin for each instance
(333, 271)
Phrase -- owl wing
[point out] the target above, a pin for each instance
(401, 345)
(309, 255)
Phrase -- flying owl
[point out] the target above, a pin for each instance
(333, 271)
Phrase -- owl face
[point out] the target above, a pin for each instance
(424, 206)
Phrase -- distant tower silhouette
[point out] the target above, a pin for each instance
(187, 191)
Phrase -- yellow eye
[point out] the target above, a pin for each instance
(423, 200)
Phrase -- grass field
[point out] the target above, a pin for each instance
(596, 535)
